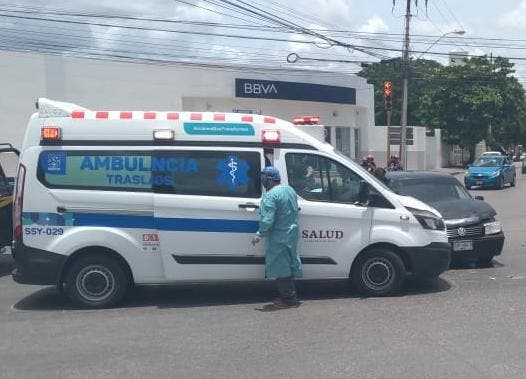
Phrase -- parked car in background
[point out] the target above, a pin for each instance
(472, 229)
(491, 154)
(491, 171)
(6, 199)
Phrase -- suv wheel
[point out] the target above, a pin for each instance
(96, 281)
(485, 261)
(379, 272)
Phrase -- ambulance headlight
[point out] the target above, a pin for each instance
(427, 219)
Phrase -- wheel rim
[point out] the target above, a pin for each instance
(95, 283)
(378, 273)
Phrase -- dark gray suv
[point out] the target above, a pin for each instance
(472, 228)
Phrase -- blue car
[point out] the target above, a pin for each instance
(490, 171)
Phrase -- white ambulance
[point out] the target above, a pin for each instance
(104, 200)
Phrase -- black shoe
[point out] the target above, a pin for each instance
(279, 303)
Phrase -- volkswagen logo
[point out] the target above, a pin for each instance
(461, 231)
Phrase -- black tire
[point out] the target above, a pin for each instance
(96, 281)
(500, 183)
(379, 272)
(512, 184)
(485, 261)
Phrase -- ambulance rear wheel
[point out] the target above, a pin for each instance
(95, 281)
(378, 272)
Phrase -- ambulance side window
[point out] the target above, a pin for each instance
(318, 178)
(307, 174)
(96, 170)
(208, 173)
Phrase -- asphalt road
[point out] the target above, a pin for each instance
(469, 324)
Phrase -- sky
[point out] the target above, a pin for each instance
(229, 33)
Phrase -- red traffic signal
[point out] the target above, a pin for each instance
(388, 88)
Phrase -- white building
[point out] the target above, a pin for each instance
(345, 103)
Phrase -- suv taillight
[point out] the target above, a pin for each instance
(18, 203)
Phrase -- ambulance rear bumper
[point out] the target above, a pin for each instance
(35, 266)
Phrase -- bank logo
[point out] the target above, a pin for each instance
(234, 173)
(260, 88)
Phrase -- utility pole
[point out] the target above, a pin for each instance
(405, 76)
(388, 106)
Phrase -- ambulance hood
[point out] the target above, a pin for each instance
(411, 202)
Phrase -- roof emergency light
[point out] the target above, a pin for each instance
(271, 136)
(163, 134)
(306, 120)
(50, 133)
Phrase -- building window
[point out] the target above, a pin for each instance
(357, 143)
(343, 140)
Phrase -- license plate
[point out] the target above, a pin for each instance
(479, 182)
(462, 245)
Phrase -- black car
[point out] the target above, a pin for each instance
(471, 226)
(6, 199)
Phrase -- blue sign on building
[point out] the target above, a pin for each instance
(271, 89)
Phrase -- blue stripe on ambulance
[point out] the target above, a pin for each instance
(147, 222)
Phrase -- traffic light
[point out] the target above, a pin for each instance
(388, 92)
(388, 88)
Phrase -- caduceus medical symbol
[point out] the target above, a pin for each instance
(233, 168)
(234, 172)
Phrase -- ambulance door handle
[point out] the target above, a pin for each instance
(249, 207)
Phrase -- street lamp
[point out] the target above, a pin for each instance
(459, 32)
(405, 80)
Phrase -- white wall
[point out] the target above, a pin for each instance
(424, 154)
(116, 85)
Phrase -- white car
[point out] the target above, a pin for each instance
(491, 154)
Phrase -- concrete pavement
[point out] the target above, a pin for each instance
(468, 324)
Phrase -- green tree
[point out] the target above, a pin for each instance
(378, 73)
(509, 125)
(469, 100)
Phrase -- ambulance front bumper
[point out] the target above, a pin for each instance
(35, 266)
(429, 261)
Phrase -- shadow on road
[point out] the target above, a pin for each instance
(7, 264)
(467, 264)
(220, 294)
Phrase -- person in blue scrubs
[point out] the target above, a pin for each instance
(278, 226)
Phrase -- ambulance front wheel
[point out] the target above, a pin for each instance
(96, 281)
(378, 272)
